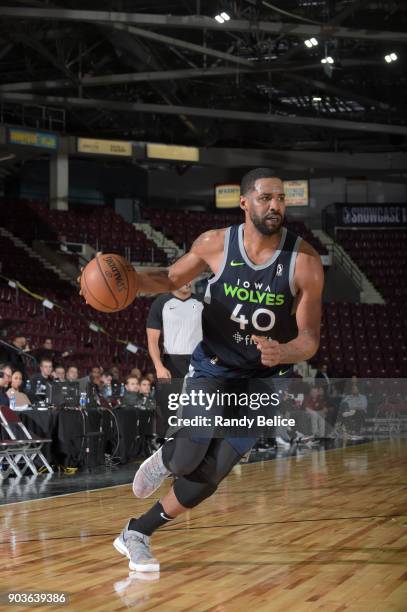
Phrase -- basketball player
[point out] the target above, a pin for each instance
(261, 315)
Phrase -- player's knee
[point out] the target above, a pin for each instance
(182, 466)
(190, 493)
(182, 456)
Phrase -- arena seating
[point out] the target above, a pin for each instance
(184, 226)
(382, 255)
(17, 264)
(69, 328)
(362, 339)
(98, 226)
(369, 340)
(70, 331)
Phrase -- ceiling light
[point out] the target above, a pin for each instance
(219, 19)
(311, 42)
(329, 60)
(323, 61)
(391, 57)
(316, 99)
(225, 16)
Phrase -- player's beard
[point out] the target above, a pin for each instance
(263, 227)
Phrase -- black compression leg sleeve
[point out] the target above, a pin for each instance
(197, 486)
(182, 456)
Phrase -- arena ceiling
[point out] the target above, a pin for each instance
(168, 71)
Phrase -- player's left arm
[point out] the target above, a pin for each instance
(309, 281)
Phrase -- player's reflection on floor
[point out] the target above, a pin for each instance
(132, 590)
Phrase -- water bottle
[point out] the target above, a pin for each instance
(12, 400)
(108, 391)
(28, 385)
(82, 401)
(38, 387)
(122, 390)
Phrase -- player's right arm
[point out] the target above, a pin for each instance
(206, 251)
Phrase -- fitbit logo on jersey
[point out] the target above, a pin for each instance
(237, 337)
(254, 296)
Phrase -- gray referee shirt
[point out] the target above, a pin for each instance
(179, 320)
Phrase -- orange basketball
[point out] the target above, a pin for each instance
(109, 283)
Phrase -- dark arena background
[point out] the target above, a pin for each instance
(126, 127)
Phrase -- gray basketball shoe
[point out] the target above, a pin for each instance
(136, 547)
(150, 475)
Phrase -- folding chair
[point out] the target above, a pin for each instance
(28, 448)
(8, 450)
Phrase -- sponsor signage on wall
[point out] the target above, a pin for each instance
(371, 215)
(172, 152)
(227, 196)
(104, 147)
(33, 138)
(296, 193)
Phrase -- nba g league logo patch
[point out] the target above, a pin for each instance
(279, 270)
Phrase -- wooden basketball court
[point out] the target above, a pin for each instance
(325, 531)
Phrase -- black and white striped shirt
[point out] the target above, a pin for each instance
(179, 320)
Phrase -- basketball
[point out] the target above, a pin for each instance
(109, 283)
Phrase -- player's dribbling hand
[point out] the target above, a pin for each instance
(78, 280)
(81, 269)
(270, 350)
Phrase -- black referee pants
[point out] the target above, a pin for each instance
(178, 365)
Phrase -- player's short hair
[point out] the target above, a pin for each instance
(249, 179)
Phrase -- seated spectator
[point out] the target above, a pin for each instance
(322, 378)
(16, 384)
(136, 372)
(14, 356)
(5, 378)
(38, 383)
(132, 395)
(95, 374)
(315, 406)
(72, 374)
(58, 373)
(115, 383)
(115, 375)
(334, 400)
(354, 409)
(47, 351)
(93, 384)
(147, 400)
(107, 387)
(356, 400)
(151, 377)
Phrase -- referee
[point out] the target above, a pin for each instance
(177, 316)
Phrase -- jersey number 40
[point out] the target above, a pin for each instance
(243, 321)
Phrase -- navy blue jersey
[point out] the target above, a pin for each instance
(244, 299)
